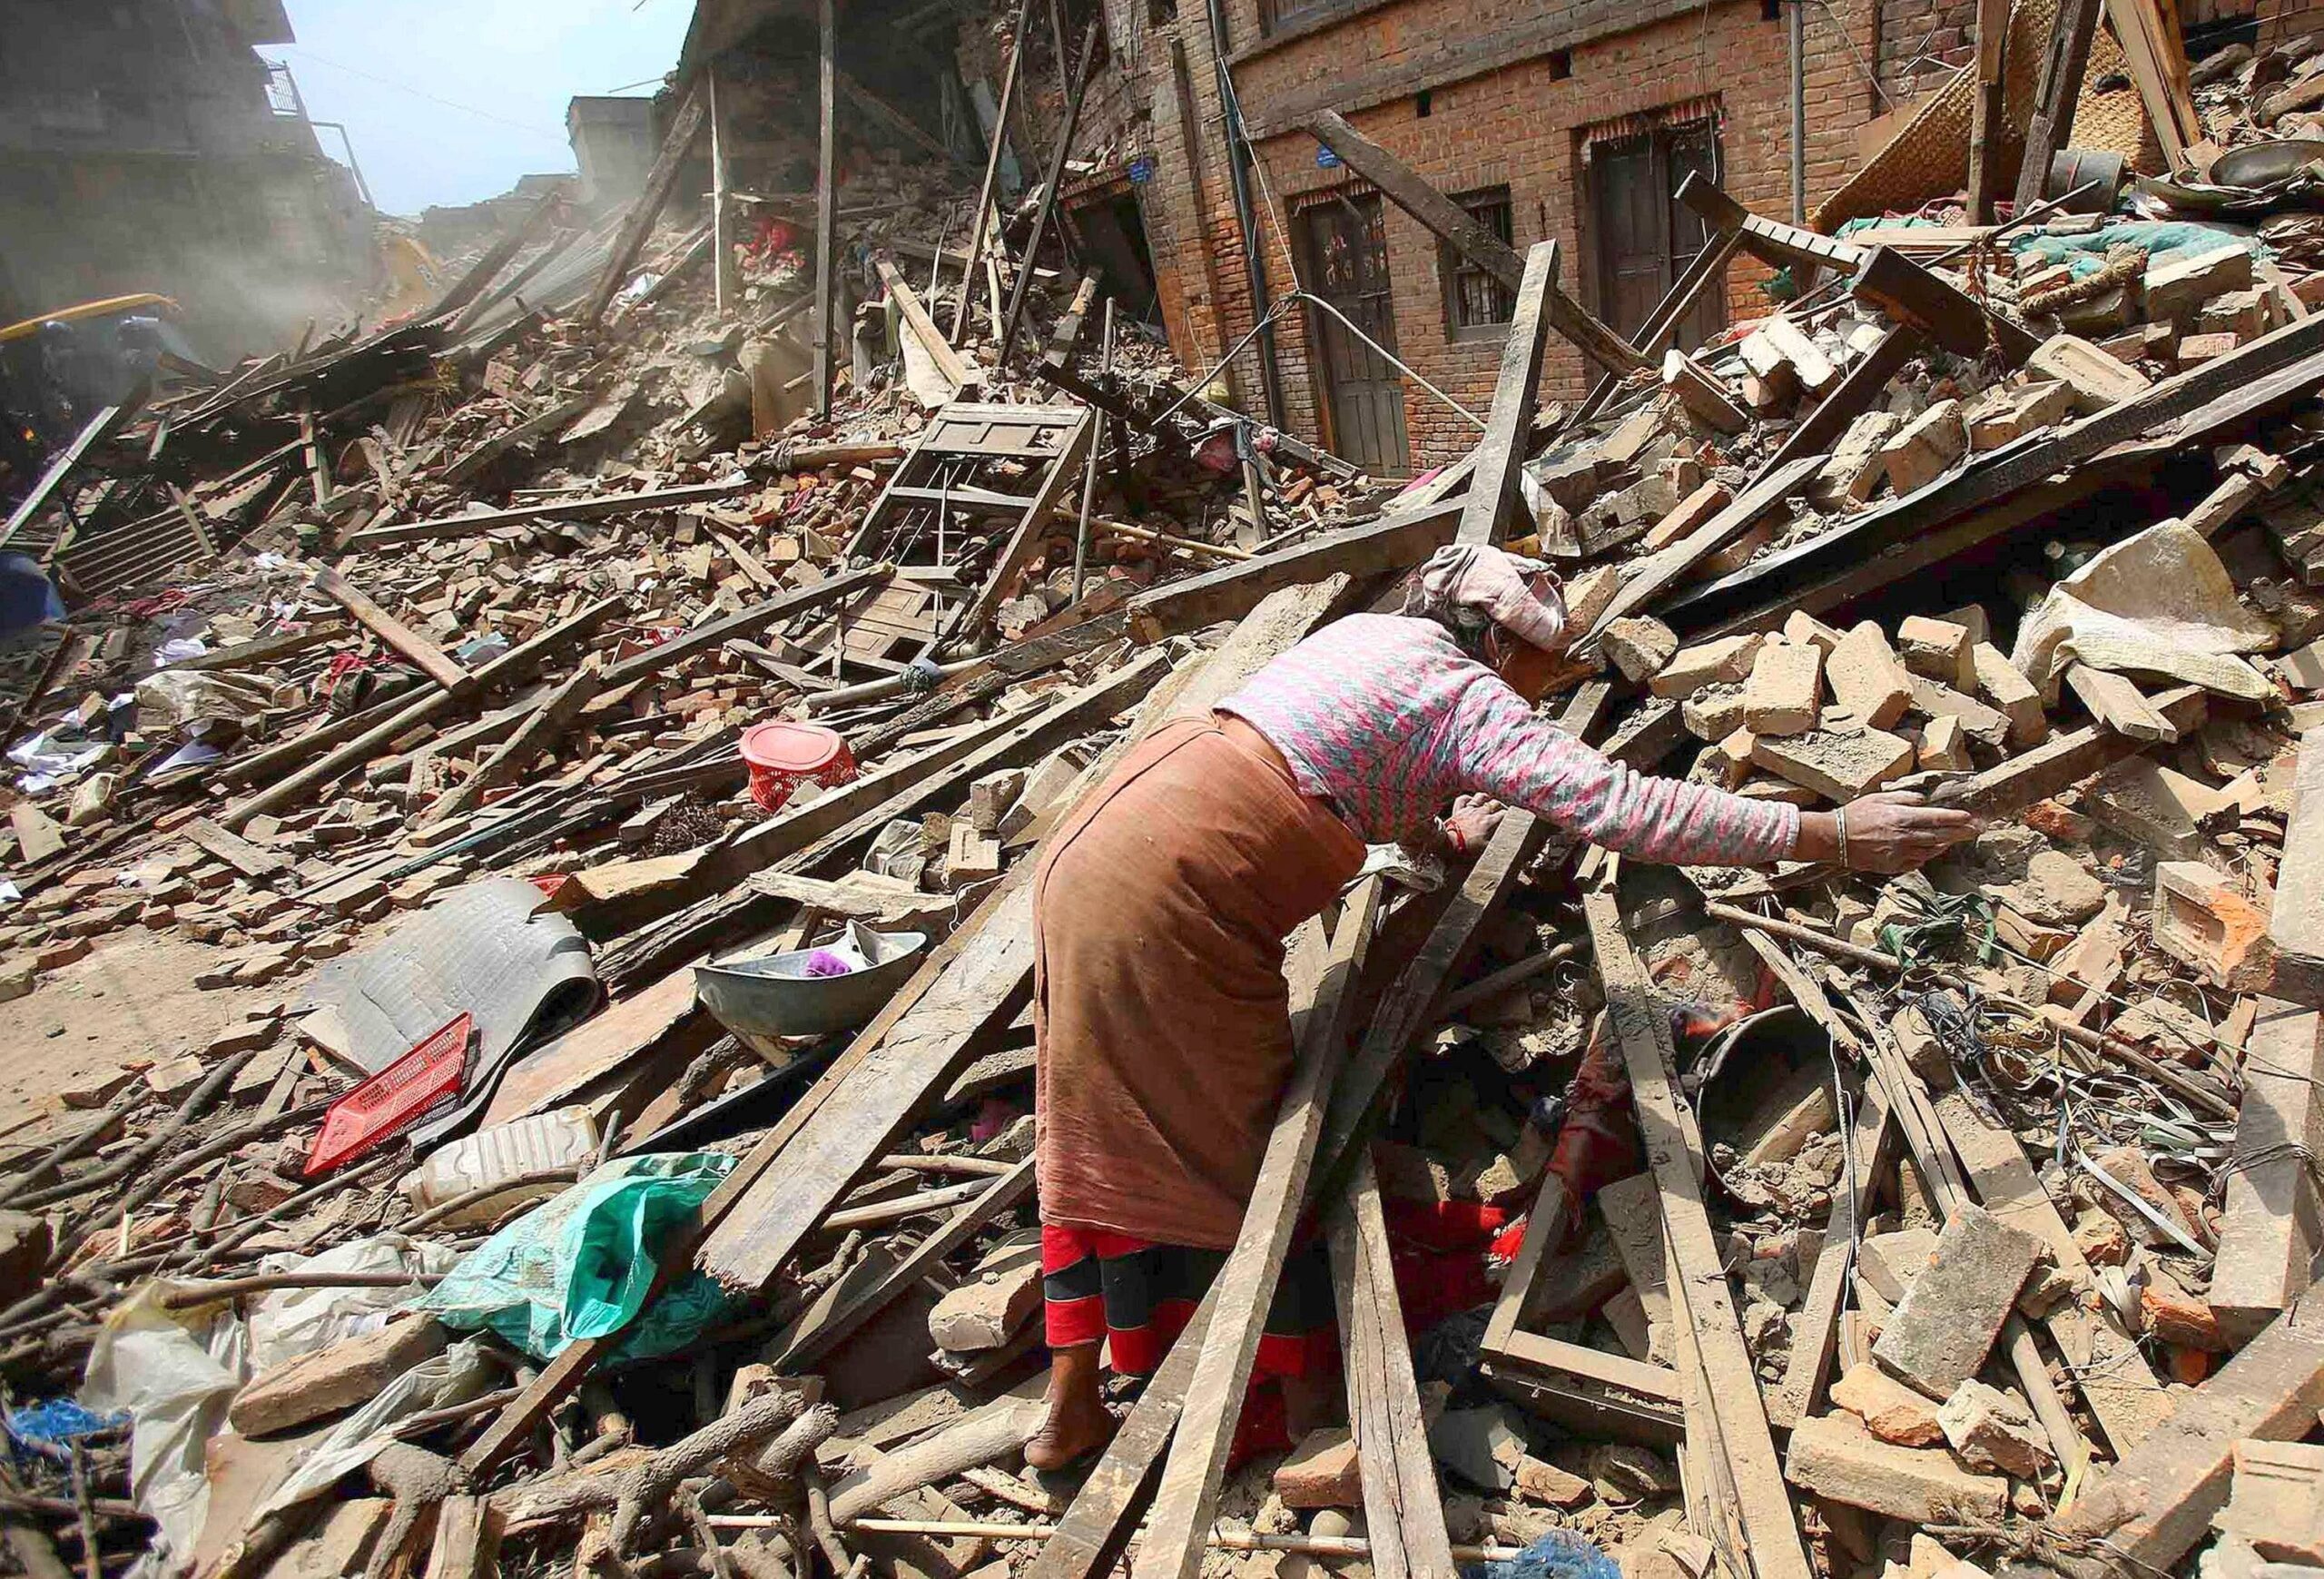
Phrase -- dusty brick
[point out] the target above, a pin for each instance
(1947, 1321)
(1992, 1430)
(1322, 1472)
(1853, 473)
(1924, 448)
(1710, 662)
(2011, 695)
(1640, 648)
(1785, 691)
(1937, 648)
(1944, 747)
(1867, 678)
(2176, 290)
(986, 1312)
(1838, 766)
(2201, 917)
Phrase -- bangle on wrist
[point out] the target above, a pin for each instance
(1840, 830)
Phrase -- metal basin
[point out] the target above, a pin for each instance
(775, 996)
(2265, 163)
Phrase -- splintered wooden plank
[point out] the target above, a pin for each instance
(2272, 1224)
(1987, 112)
(1403, 1512)
(639, 224)
(423, 655)
(593, 508)
(251, 861)
(2056, 95)
(1725, 1413)
(940, 350)
(2296, 926)
(1815, 1331)
(821, 1330)
(1178, 1530)
(1392, 543)
(1501, 453)
(2157, 1501)
(747, 622)
(1665, 569)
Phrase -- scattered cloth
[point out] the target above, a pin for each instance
(2159, 603)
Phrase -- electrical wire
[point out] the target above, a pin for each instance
(308, 55)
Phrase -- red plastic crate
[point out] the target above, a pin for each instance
(393, 1100)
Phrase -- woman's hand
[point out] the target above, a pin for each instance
(1473, 821)
(1887, 833)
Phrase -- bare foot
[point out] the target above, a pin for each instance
(1075, 1426)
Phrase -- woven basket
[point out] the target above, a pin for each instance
(1929, 159)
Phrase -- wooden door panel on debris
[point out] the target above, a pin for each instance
(1347, 250)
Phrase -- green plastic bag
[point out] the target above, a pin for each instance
(579, 1265)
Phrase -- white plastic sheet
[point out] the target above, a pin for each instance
(459, 1374)
(289, 1322)
(175, 1372)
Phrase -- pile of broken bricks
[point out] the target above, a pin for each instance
(1763, 1224)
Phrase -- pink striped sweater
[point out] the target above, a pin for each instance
(1388, 719)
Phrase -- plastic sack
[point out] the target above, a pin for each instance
(461, 1373)
(175, 698)
(2159, 603)
(1554, 1554)
(175, 1377)
(290, 1322)
(53, 1422)
(580, 1265)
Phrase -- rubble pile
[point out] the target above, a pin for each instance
(611, 787)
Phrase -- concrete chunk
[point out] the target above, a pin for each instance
(1867, 678)
(1785, 690)
(1947, 1322)
(337, 1377)
(1994, 1430)
(1833, 1456)
(1838, 766)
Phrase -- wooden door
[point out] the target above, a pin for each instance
(1347, 253)
(1646, 237)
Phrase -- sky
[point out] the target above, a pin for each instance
(448, 102)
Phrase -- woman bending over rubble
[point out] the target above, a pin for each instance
(1161, 908)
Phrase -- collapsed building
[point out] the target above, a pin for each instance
(511, 1187)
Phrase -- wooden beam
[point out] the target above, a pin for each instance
(2296, 926)
(536, 734)
(2065, 760)
(1667, 567)
(1815, 1331)
(631, 238)
(1771, 241)
(2120, 1388)
(1184, 1504)
(2273, 1225)
(1987, 116)
(1493, 494)
(1392, 543)
(422, 653)
(517, 663)
(723, 285)
(2153, 1505)
(746, 622)
(593, 507)
(2056, 94)
(2150, 40)
(1403, 1512)
(95, 431)
(1017, 552)
(881, 114)
(826, 198)
(1726, 1415)
(915, 316)
(1412, 192)
(986, 189)
(487, 267)
(1910, 293)
(1077, 88)
(1863, 384)
(819, 1330)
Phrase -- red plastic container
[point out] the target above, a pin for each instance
(783, 755)
(393, 1100)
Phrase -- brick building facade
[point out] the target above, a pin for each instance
(1571, 120)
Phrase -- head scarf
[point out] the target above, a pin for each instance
(1519, 595)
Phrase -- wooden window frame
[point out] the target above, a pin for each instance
(1452, 268)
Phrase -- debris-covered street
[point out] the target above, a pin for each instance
(614, 964)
